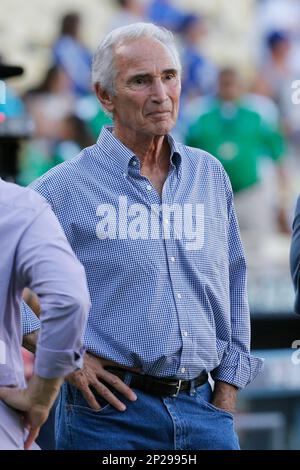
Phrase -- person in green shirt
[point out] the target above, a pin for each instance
(238, 136)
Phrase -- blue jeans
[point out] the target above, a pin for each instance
(188, 422)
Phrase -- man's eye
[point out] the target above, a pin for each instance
(139, 81)
(170, 76)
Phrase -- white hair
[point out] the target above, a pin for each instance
(103, 68)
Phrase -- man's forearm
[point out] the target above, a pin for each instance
(225, 396)
(43, 392)
(30, 341)
(40, 392)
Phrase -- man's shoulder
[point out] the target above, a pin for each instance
(18, 199)
(200, 157)
(61, 175)
(205, 167)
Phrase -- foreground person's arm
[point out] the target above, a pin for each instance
(46, 263)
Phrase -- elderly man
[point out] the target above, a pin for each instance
(153, 223)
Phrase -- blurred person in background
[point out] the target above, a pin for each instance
(48, 105)
(72, 56)
(75, 136)
(50, 102)
(259, 99)
(238, 137)
(279, 72)
(15, 125)
(89, 110)
(199, 74)
(166, 14)
(135, 384)
(130, 11)
(278, 15)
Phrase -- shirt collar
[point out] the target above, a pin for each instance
(122, 155)
(175, 153)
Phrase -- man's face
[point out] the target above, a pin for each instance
(229, 86)
(147, 88)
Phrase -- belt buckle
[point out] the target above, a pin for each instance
(178, 386)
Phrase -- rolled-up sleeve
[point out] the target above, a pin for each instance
(237, 367)
(46, 264)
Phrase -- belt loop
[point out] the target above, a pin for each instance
(192, 388)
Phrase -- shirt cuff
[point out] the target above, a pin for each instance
(30, 321)
(237, 368)
(50, 364)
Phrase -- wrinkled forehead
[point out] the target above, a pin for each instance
(143, 53)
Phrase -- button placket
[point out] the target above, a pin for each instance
(175, 280)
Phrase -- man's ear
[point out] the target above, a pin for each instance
(104, 97)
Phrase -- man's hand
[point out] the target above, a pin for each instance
(34, 402)
(224, 396)
(89, 376)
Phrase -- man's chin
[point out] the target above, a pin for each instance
(161, 129)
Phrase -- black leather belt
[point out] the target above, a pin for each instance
(158, 385)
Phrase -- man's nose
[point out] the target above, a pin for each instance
(158, 92)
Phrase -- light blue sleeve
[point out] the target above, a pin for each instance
(46, 263)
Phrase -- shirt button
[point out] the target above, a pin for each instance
(173, 259)
(183, 370)
(185, 333)
(134, 163)
(125, 175)
(166, 221)
(149, 187)
(179, 295)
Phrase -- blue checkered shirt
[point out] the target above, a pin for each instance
(157, 303)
